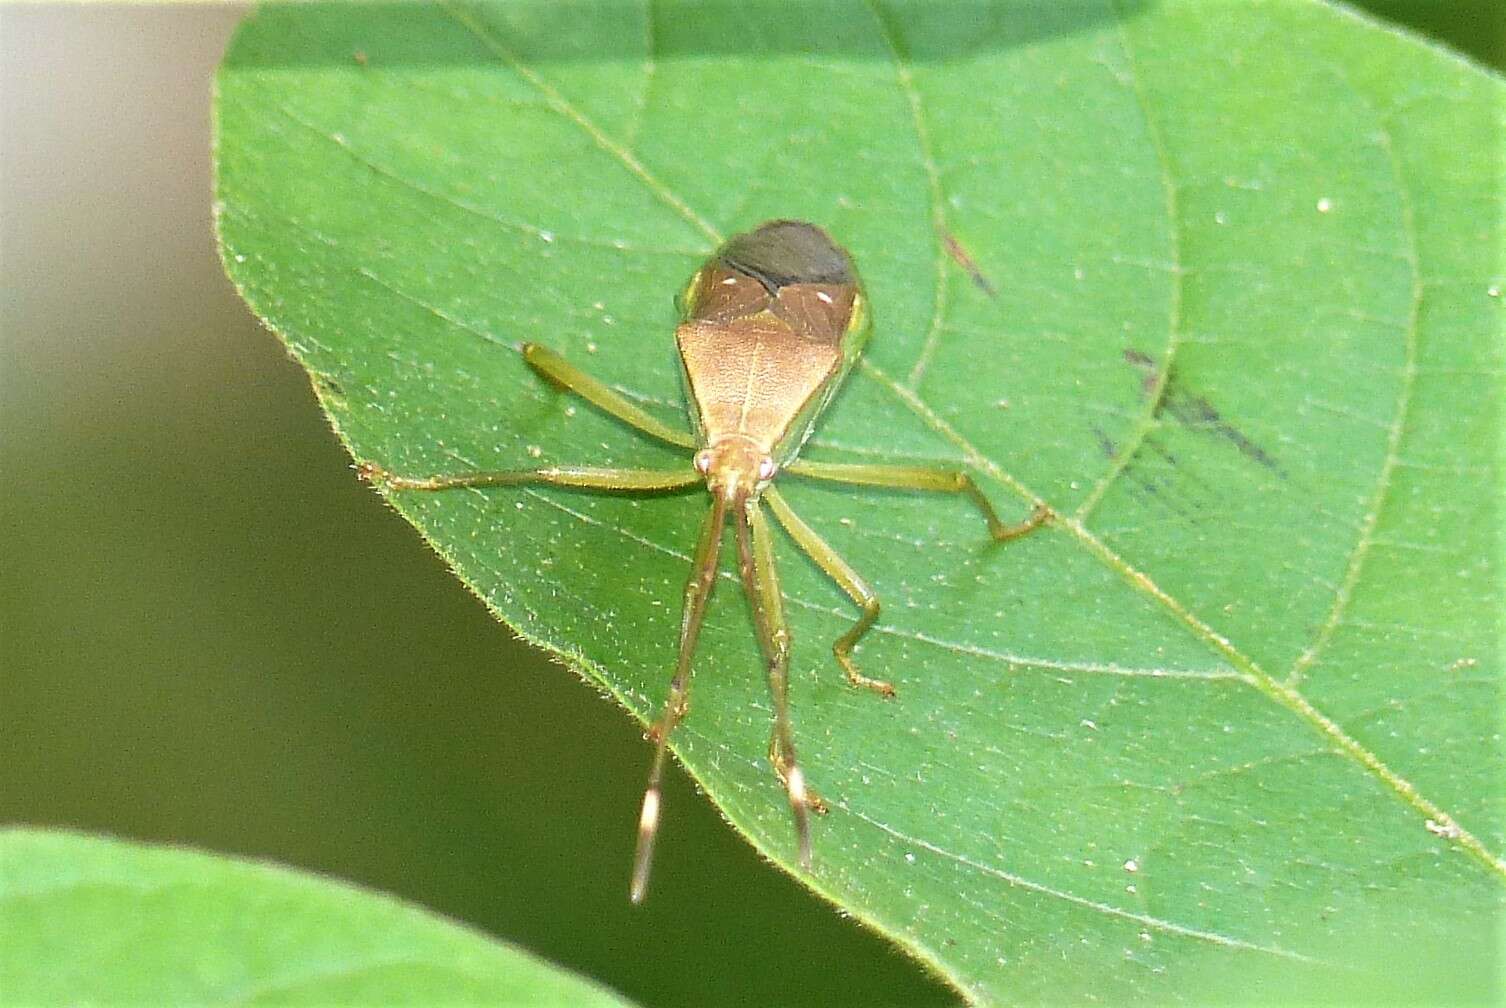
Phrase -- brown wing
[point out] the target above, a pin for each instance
(817, 311)
(720, 294)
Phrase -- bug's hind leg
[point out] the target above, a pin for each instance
(697, 590)
(756, 563)
(561, 372)
(836, 568)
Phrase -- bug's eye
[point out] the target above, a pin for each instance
(766, 469)
(703, 462)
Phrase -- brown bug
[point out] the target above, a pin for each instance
(769, 327)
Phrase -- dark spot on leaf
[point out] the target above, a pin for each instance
(960, 256)
(1197, 412)
(1184, 508)
(1153, 445)
(1145, 363)
(1193, 411)
(1104, 444)
(1136, 475)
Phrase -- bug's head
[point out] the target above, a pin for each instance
(735, 467)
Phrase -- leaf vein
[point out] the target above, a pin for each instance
(1394, 431)
(543, 234)
(1156, 390)
(565, 109)
(1108, 910)
(906, 80)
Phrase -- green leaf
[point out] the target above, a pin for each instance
(1220, 283)
(91, 920)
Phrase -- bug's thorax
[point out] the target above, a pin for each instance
(736, 467)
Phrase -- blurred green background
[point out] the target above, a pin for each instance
(212, 634)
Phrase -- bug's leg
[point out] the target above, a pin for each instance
(566, 375)
(697, 591)
(830, 561)
(755, 551)
(921, 477)
(585, 477)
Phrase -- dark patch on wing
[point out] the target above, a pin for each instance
(785, 252)
(1194, 411)
(969, 265)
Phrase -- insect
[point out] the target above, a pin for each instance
(769, 327)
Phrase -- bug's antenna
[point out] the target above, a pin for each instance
(697, 591)
(756, 562)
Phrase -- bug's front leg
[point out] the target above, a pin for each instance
(920, 477)
(552, 367)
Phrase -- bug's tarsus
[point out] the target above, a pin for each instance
(882, 687)
(1039, 515)
(648, 827)
(697, 591)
